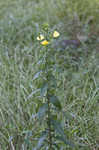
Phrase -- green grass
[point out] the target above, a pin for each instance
(20, 22)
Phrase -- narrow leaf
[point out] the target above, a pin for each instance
(42, 110)
(57, 126)
(33, 93)
(44, 89)
(63, 139)
(40, 143)
(55, 101)
(37, 75)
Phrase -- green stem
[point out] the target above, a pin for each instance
(49, 108)
(49, 125)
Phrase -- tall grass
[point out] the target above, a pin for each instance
(78, 90)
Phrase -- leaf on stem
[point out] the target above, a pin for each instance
(55, 101)
(58, 128)
(42, 110)
(44, 89)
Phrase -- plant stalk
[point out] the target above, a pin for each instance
(49, 125)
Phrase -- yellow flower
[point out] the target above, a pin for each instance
(40, 37)
(56, 34)
(45, 42)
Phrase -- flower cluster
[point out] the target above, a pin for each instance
(44, 42)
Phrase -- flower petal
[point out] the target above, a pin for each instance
(40, 37)
(56, 34)
(45, 42)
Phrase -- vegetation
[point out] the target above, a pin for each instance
(74, 109)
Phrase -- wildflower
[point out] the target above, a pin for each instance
(56, 34)
(45, 42)
(40, 37)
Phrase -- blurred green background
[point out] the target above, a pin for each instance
(20, 23)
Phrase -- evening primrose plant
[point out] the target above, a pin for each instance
(49, 108)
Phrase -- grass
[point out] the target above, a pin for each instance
(20, 21)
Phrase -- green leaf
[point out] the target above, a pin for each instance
(37, 75)
(58, 128)
(42, 110)
(40, 61)
(33, 93)
(56, 145)
(67, 142)
(40, 142)
(55, 101)
(44, 89)
(27, 132)
(53, 81)
(68, 116)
